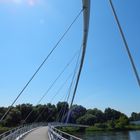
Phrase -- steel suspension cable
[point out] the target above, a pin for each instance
(67, 96)
(53, 83)
(58, 91)
(40, 66)
(72, 82)
(60, 112)
(125, 42)
(63, 85)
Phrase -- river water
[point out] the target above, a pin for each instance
(128, 135)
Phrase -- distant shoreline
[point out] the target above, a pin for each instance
(95, 129)
(126, 128)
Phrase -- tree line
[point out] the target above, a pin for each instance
(78, 114)
(135, 116)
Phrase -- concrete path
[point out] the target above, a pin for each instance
(38, 134)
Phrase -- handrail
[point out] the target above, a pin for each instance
(57, 124)
(9, 131)
(56, 134)
(19, 131)
(72, 136)
(53, 132)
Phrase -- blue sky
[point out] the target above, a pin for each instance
(30, 28)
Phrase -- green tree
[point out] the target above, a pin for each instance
(98, 113)
(62, 105)
(135, 116)
(13, 118)
(43, 110)
(122, 122)
(76, 112)
(52, 111)
(87, 119)
(62, 109)
(25, 109)
(111, 124)
(111, 114)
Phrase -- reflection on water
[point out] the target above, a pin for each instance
(130, 135)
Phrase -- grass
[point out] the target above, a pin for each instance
(4, 129)
(126, 128)
(132, 127)
(95, 128)
(69, 129)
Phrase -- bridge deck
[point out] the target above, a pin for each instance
(38, 134)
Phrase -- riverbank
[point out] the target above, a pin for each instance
(125, 128)
(99, 128)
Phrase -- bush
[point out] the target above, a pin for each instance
(121, 122)
(111, 124)
(101, 125)
(87, 119)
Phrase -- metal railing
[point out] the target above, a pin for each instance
(20, 131)
(53, 132)
(56, 134)
(57, 124)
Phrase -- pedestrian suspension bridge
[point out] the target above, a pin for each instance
(50, 131)
(41, 131)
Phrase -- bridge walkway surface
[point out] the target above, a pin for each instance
(40, 133)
